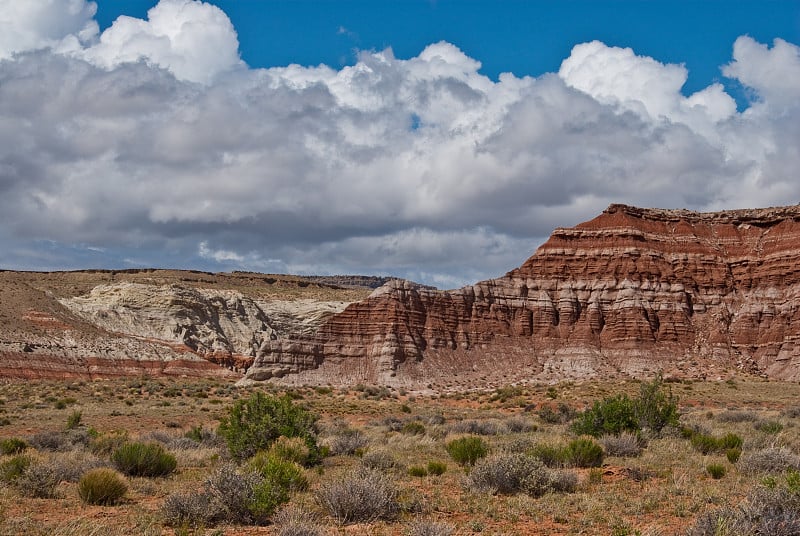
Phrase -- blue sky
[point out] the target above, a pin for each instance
(378, 137)
(523, 37)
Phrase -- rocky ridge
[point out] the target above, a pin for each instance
(631, 292)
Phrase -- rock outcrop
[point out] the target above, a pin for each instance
(100, 324)
(632, 291)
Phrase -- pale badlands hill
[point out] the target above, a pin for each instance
(101, 323)
(631, 292)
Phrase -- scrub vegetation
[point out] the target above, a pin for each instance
(149, 456)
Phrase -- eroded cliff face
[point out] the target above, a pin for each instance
(632, 291)
(100, 324)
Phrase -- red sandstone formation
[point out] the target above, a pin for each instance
(632, 291)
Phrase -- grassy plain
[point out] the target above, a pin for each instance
(662, 491)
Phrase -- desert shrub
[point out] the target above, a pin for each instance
(418, 471)
(188, 510)
(437, 468)
(737, 416)
(769, 460)
(733, 454)
(365, 496)
(105, 445)
(74, 419)
(519, 425)
(624, 444)
(378, 459)
(279, 472)
(293, 449)
(486, 428)
(242, 497)
(792, 412)
(707, 444)
(71, 466)
(294, 521)
(772, 511)
(436, 418)
(12, 445)
(716, 470)
(413, 428)
(255, 423)
(612, 415)
(39, 481)
(347, 442)
(656, 407)
(467, 450)
(13, 468)
(393, 424)
(563, 481)
(562, 413)
(51, 441)
(550, 455)
(721, 522)
(102, 486)
(768, 427)
(583, 452)
(429, 528)
(228, 496)
(504, 394)
(510, 473)
(144, 459)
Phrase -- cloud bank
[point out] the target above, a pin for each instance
(152, 143)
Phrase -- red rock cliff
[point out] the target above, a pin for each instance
(631, 291)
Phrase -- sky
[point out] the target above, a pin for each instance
(436, 140)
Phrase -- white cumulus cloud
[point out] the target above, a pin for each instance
(154, 142)
(193, 40)
(35, 24)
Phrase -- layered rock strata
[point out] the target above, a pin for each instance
(632, 291)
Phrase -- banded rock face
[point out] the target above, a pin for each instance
(632, 291)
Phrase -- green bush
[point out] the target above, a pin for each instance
(102, 486)
(293, 449)
(652, 410)
(279, 472)
(706, 444)
(74, 420)
(656, 408)
(437, 468)
(716, 470)
(768, 427)
(612, 415)
(255, 423)
(106, 444)
(417, 470)
(550, 455)
(12, 445)
(584, 452)
(467, 450)
(733, 454)
(144, 459)
(13, 468)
